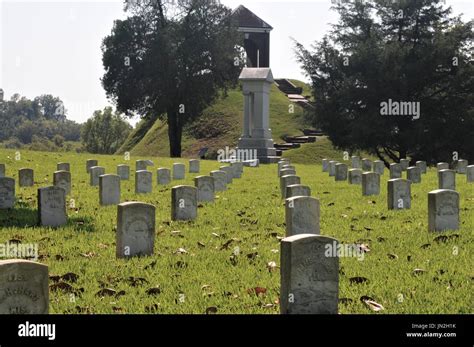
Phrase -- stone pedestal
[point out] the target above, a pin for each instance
(257, 135)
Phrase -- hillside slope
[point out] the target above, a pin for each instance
(220, 126)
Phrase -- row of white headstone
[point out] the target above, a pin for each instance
(309, 275)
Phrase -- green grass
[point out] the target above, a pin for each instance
(226, 115)
(250, 215)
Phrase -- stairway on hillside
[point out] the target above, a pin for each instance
(294, 95)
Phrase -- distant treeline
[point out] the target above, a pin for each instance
(38, 124)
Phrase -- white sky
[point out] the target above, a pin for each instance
(54, 47)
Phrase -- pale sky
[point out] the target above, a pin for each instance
(54, 47)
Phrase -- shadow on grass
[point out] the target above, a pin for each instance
(21, 217)
(81, 224)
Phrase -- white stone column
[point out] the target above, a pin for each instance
(247, 112)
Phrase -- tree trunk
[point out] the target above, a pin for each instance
(174, 134)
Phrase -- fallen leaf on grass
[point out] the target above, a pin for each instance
(271, 266)
(257, 291)
(417, 272)
(70, 277)
(358, 280)
(445, 238)
(211, 310)
(392, 256)
(136, 281)
(150, 266)
(425, 246)
(153, 291)
(372, 304)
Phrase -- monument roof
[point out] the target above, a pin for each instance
(257, 74)
(248, 19)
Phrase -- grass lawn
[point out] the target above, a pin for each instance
(216, 262)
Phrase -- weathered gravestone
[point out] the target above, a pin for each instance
(470, 173)
(399, 194)
(238, 168)
(205, 188)
(421, 165)
(91, 163)
(7, 192)
(379, 167)
(179, 171)
(309, 270)
(52, 207)
(325, 163)
(395, 170)
(297, 190)
(183, 203)
(287, 171)
(341, 172)
(355, 162)
(442, 166)
(447, 179)
(287, 180)
(370, 183)
(63, 167)
(251, 163)
(23, 287)
(2, 170)
(163, 176)
(109, 190)
(26, 178)
(282, 163)
(461, 166)
(414, 174)
(366, 164)
(443, 210)
(123, 171)
(220, 180)
(142, 165)
(332, 168)
(62, 179)
(302, 215)
(194, 166)
(143, 182)
(95, 172)
(405, 163)
(229, 172)
(355, 176)
(135, 234)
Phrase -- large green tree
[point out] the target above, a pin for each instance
(105, 132)
(170, 60)
(403, 51)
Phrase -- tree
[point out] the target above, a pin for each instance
(52, 108)
(404, 53)
(105, 132)
(170, 60)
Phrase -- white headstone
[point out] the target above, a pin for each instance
(163, 176)
(332, 168)
(7, 192)
(220, 180)
(287, 171)
(91, 163)
(194, 166)
(355, 162)
(379, 167)
(183, 203)
(179, 171)
(52, 207)
(442, 166)
(461, 166)
(302, 215)
(309, 275)
(23, 287)
(135, 234)
(414, 174)
(366, 164)
(470, 173)
(94, 173)
(62, 179)
(443, 210)
(205, 188)
(63, 167)
(26, 178)
(405, 163)
(287, 180)
(399, 194)
(123, 171)
(355, 176)
(229, 172)
(341, 172)
(325, 163)
(421, 165)
(109, 190)
(143, 182)
(238, 168)
(142, 165)
(447, 179)
(370, 183)
(395, 170)
(297, 190)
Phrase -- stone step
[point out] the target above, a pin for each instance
(284, 146)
